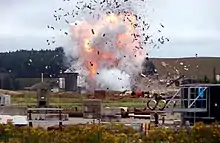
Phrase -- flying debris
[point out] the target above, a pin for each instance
(167, 39)
(67, 21)
(117, 35)
(93, 32)
(77, 7)
(162, 25)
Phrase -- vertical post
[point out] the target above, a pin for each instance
(189, 96)
(163, 120)
(30, 118)
(194, 118)
(93, 112)
(214, 75)
(60, 119)
(148, 128)
(208, 101)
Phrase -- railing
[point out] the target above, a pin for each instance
(163, 104)
(31, 121)
(172, 99)
(199, 95)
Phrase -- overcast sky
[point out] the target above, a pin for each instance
(191, 25)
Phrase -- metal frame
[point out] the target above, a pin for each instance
(188, 114)
(190, 101)
(31, 121)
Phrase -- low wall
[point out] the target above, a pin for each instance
(13, 110)
(49, 117)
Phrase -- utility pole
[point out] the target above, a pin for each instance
(42, 77)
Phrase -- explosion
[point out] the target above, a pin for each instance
(106, 42)
(109, 42)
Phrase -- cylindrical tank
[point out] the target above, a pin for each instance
(217, 78)
(62, 83)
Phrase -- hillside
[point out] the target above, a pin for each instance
(191, 67)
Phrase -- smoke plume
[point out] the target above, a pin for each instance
(109, 42)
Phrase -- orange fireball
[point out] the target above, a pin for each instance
(95, 54)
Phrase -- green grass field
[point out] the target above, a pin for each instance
(30, 99)
(74, 102)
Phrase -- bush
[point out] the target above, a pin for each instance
(112, 133)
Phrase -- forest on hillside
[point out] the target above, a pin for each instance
(31, 63)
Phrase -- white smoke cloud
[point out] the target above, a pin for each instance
(113, 79)
(118, 60)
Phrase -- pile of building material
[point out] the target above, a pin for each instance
(16, 120)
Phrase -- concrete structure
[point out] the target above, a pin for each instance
(5, 100)
(42, 97)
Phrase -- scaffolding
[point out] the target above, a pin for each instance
(194, 100)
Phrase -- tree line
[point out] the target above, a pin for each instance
(31, 63)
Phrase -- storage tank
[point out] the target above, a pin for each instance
(217, 78)
(62, 83)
